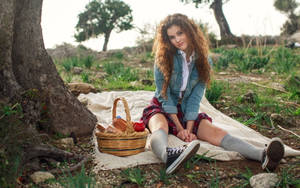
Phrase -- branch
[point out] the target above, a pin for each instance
(73, 168)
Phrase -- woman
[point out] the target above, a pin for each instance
(182, 71)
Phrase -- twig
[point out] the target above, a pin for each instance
(283, 128)
(268, 87)
(288, 131)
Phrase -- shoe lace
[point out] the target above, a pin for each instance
(176, 150)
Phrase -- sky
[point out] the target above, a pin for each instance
(251, 17)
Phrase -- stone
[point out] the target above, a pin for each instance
(295, 37)
(147, 82)
(264, 180)
(249, 97)
(67, 142)
(77, 88)
(77, 70)
(39, 176)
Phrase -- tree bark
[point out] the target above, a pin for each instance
(25, 65)
(221, 20)
(106, 39)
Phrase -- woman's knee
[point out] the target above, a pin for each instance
(158, 121)
(210, 133)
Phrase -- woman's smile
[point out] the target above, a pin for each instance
(178, 38)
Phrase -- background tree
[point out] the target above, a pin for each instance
(217, 6)
(31, 84)
(101, 18)
(288, 7)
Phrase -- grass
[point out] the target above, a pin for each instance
(280, 60)
(134, 175)
(289, 178)
(275, 63)
(215, 91)
(79, 180)
(10, 142)
(246, 177)
(162, 176)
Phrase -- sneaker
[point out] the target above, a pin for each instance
(176, 157)
(273, 154)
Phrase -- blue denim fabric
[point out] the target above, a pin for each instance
(193, 94)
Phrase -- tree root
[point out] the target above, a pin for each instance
(45, 151)
(73, 168)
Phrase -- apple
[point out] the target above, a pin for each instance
(139, 126)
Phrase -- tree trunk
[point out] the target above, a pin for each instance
(106, 39)
(221, 20)
(26, 65)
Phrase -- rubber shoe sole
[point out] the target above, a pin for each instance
(274, 154)
(188, 153)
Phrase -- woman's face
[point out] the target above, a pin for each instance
(178, 38)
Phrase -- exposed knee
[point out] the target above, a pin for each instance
(163, 126)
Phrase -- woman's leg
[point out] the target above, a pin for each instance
(158, 126)
(209, 133)
(173, 157)
(219, 137)
(270, 156)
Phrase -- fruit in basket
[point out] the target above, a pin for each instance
(139, 126)
(120, 124)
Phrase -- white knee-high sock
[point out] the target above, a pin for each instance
(249, 151)
(159, 143)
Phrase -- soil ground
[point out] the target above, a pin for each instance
(207, 173)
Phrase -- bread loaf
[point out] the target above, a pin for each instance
(100, 128)
(120, 124)
(111, 129)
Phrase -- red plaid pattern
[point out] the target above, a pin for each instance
(155, 107)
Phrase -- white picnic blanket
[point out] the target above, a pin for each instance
(101, 104)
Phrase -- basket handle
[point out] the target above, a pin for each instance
(129, 127)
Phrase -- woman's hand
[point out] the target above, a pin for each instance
(191, 137)
(183, 134)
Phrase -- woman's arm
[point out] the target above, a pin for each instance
(168, 104)
(190, 125)
(175, 119)
(193, 101)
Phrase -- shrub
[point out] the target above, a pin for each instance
(85, 77)
(118, 55)
(284, 61)
(118, 71)
(88, 61)
(215, 91)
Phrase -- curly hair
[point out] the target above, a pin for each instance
(164, 50)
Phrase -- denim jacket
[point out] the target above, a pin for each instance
(193, 94)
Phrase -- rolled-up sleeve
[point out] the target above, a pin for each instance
(167, 103)
(193, 101)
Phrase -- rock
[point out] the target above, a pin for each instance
(84, 101)
(294, 37)
(147, 82)
(77, 88)
(264, 180)
(230, 46)
(39, 176)
(66, 142)
(134, 83)
(223, 73)
(250, 97)
(77, 70)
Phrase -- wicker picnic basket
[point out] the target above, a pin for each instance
(124, 143)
